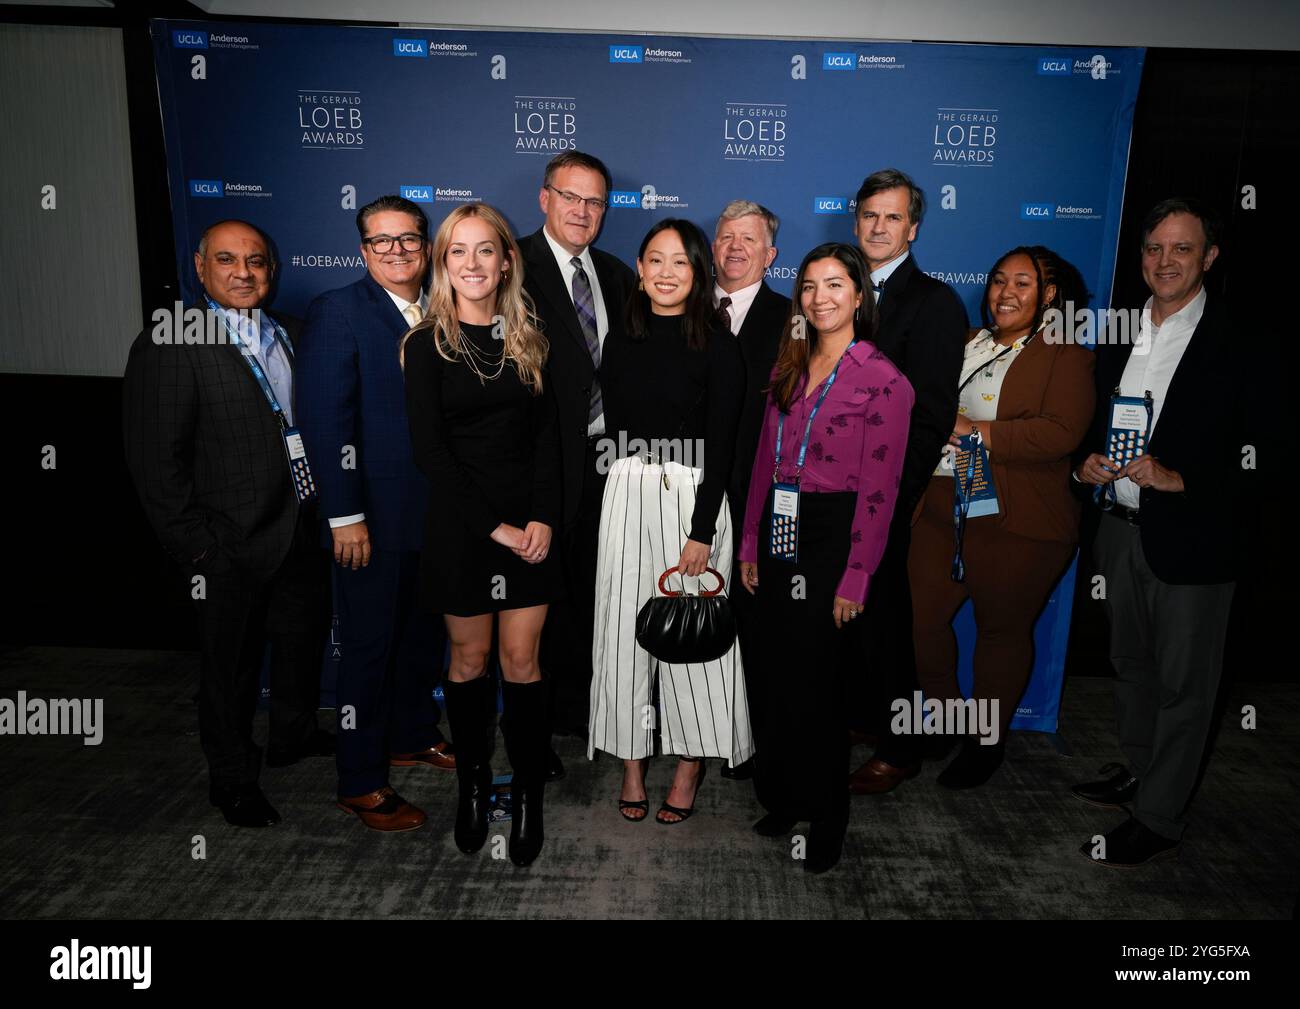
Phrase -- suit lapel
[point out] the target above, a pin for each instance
(895, 285)
(545, 272)
(384, 306)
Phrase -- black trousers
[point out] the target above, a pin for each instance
(800, 669)
(570, 622)
(1166, 644)
(238, 616)
(880, 652)
(391, 655)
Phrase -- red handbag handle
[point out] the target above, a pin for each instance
(672, 571)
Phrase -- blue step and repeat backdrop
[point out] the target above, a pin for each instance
(294, 126)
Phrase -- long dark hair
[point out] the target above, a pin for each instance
(701, 316)
(795, 352)
(1050, 269)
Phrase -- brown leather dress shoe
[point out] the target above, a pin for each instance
(439, 755)
(383, 809)
(875, 777)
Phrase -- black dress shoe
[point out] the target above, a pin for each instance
(1129, 845)
(775, 825)
(741, 772)
(825, 845)
(1112, 792)
(973, 765)
(244, 806)
(554, 766)
(319, 744)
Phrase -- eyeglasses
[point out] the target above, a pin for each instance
(410, 242)
(573, 199)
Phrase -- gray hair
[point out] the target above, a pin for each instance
(737, 209)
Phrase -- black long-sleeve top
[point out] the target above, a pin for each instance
(489, 449)
(659, 390)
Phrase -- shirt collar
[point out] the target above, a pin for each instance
(562, 255)
(739, 299)
(402, 303)
(1189, 315)
(883, 273)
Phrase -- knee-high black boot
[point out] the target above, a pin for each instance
(527, 734)
(470, 707)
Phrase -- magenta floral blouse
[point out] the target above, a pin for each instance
(857, 444)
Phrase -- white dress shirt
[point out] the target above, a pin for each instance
(402, 305)
(562, 257)
(740, 303)
(1151, 366)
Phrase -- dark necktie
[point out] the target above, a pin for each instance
(724, 306)
(585, 303)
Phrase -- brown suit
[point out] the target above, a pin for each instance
(1014, 558)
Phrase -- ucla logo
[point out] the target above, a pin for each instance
(410, 47)
(206, 187)
(625, 198)
(626, 54)
(839, 61)
(188, 38)
(417, 194)
(830, 205)
(1052, 65)
(1036, 211)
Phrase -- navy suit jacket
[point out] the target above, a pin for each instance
(350, 393)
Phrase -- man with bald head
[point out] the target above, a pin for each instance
(208, 431)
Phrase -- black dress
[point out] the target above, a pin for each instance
(490, 449)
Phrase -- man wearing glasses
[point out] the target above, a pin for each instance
(353, 407)
(580, 294)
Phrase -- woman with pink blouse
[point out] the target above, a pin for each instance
(821, 496)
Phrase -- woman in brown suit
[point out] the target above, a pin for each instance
(1031, 400)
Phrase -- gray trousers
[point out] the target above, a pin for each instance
(1166, 644)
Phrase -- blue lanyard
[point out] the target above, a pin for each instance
(807, 431)
(962, 509)
(252, 362)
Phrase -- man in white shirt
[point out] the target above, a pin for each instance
(744, 246)
(1168, 544)
(353, 406)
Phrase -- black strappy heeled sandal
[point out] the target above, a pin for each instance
(683, 814)
(642, 804)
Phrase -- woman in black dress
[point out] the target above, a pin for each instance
(483, 431)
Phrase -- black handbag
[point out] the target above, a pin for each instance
(679, 627)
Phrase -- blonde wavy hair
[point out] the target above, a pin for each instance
(525, 347)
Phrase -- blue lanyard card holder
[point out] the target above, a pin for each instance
(976, 495)
(1130, 423)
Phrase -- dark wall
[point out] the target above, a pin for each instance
(86, 569)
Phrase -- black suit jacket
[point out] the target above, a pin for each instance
(759, 338)
(923, 332)
(206, 454)
(1196, 537)
(570, 365)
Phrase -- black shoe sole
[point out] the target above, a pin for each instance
(1098, 802)
(1169, 854)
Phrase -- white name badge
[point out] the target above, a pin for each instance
(784, 543)
(299, 472)
(1126, 439)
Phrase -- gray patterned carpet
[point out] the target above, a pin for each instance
(107, 831)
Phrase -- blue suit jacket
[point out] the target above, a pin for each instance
(350, 392)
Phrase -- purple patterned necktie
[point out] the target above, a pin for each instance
(585, 303)
(724, 306)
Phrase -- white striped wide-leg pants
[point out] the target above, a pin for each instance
(702, 706)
